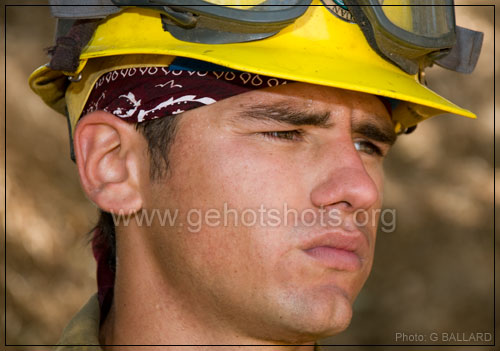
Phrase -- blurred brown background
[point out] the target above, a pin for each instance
(433, 274)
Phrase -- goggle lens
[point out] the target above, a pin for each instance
(430, 20)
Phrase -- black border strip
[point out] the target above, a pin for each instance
(222, 345)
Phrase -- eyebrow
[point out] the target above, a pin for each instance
(283, 113)
(383, 133)
(286, 114)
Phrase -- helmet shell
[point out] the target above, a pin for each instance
(318, 48)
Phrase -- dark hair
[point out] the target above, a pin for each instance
(160, 134)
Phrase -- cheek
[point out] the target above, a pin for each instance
(375, 169)
(225, 169)
(210, 171)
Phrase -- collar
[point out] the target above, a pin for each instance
(83, 329)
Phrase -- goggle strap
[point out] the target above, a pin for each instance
(74, 9)
(65, 55)
(464, 55)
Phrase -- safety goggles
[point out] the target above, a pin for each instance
(409, 36)
(412, 34)
(209, 23)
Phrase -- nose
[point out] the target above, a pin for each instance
(345, 182)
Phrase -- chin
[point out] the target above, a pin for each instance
(333, 319)
(325, 313)
(312, 330)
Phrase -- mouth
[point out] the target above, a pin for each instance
(338, 251)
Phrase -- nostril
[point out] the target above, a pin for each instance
(343, 205)
(347, 189)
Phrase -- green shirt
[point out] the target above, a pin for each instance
(82, 332)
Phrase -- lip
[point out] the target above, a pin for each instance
(338, 250)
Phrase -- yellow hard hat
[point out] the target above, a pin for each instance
(318, 48)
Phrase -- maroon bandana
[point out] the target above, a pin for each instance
(105, 275)
(145, 93)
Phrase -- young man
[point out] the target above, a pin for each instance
(267, 152)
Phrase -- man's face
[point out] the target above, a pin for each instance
(296, 164)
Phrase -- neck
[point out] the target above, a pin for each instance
(146, 310)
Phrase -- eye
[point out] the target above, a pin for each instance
(367, 147)
(288, 135)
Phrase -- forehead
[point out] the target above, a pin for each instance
(313, 98)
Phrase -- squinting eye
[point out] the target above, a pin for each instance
(291, 135)
(367, 147)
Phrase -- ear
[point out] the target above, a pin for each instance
(111, 164)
